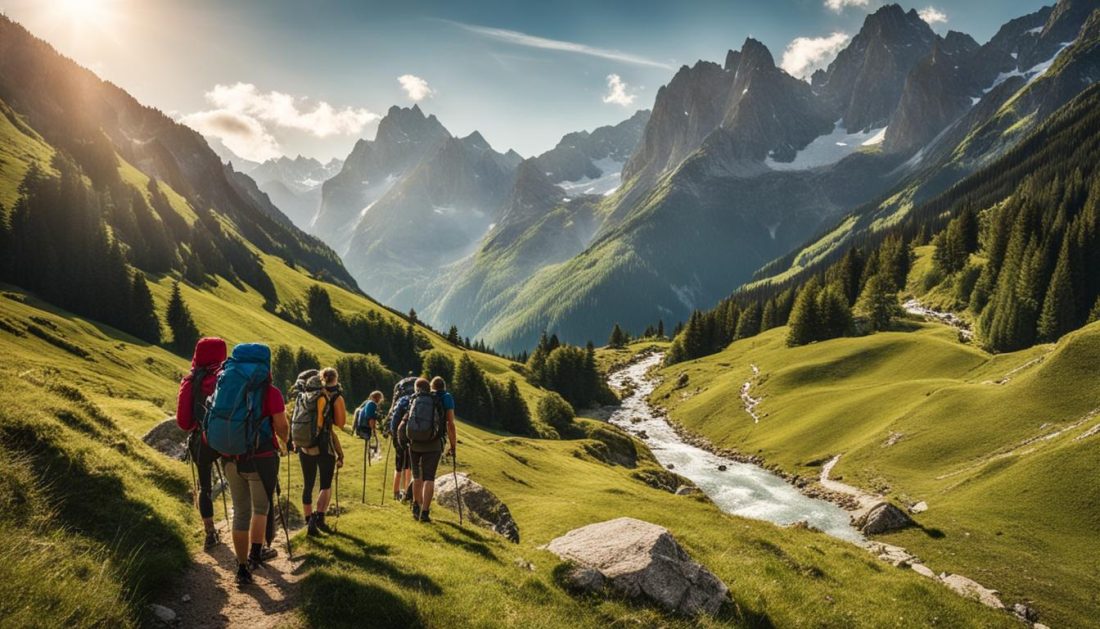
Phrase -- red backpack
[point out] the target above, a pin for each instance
(206, 364)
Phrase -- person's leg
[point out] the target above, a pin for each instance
(415, 459)
(327, 465)
(430, 463)
(262, 487)
(269, 534)
(205, 458)
(242, 511)
(309, 475)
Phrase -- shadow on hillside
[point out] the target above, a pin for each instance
(477, 548)
(371, 558)
(331, 599)
(934, 533)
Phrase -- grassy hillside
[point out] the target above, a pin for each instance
(109, 520)
(998, 446)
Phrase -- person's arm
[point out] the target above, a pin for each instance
(452, 435)
(339, 448)
(339, 412)
(282, 427)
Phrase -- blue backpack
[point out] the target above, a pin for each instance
(235, 423)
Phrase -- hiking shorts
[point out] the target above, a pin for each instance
(311, 463)
(251, 484)
(424, 465)
(401, 456)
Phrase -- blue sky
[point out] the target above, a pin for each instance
(279, 77)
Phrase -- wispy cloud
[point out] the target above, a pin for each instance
(839, 5)
(617, 92)
(415, 87)
(932, 15)
(534, 41)
(804, 55)
(244, 117)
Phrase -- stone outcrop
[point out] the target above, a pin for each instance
(972, 589)
(168, 439)
(882, 518)
(639, 560)
(478, 504)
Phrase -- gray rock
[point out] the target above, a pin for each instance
(186, 598)
(920, 507)
(722, 468)
(638, 559)
(168, 439)
(687, 490)
(163, 614)
(922, 570)
(682, 380)
(478, 504)
(972, 589)
(882, 518)
(1025, 612)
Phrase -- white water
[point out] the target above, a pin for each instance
(743, 489)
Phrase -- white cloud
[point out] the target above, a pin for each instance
(416, 87)
(839, 5)
(804, 55)
(534, 41)
(242, 134)
(244, 118)
(932, 15)
(617, 91)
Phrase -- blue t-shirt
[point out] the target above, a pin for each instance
(448, 401)
(370, 411)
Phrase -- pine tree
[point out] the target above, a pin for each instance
(805, 323)
(1058, 315)
(184, 331)
(879, 302)
(412, 315)
(768, 319)
(617, 340)
(661, 328)
(834, 313)
(143, 313)
(515, 414)
(452, 336)
(749, 322)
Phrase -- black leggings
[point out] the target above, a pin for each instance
(310, 464)
(205, 458)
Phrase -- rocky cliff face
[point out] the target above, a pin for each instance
(584, 156)
(864, 83)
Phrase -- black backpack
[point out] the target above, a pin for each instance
(424, 423)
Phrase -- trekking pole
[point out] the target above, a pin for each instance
(283, 510)
(366, 464)
(225, 488)
(385, 471)
(458, 488)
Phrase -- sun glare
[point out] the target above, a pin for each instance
(89, 13)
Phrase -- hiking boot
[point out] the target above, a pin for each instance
(398, 496)
(211, 540)
(416, 511)
(312, 529)
(244, 577)
(267, 553)
(320, 518)
(424, 517)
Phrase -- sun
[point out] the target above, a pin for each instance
(87, 18)
(81, 9)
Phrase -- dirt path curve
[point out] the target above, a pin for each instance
(216, 601)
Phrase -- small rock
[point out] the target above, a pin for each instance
(722, 468)
(682, 380)
(163, 614)
(186, 598)
(687, 490)
(882, 518)
(524, 564)
(972, 589)
(167, 438)
(671, 466)
(1025, 612)
(920, 507)
(922, 570)
(643, 435)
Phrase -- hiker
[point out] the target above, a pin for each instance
(431, 411)
(247, 423)
(319, 410)
(402, 473)
(206, 364)
(366, 417)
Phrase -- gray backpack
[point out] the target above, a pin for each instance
(425, 419)
(303, 425)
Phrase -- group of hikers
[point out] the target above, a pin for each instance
(237, 425)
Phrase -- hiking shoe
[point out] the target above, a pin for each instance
(320, 517)
(312, 530)
(416, 511)
(267, 553)
(211, 540)
(424, 517)
(244, 577)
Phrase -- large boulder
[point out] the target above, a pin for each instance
(478, 504)
(167, 438)
(882, 518)
(637, 559)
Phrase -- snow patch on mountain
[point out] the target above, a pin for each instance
(829, 148)
(604, 185)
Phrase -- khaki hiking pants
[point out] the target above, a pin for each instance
(251, 484)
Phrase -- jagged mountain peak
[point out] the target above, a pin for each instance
(754, 55)
(476, 141)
